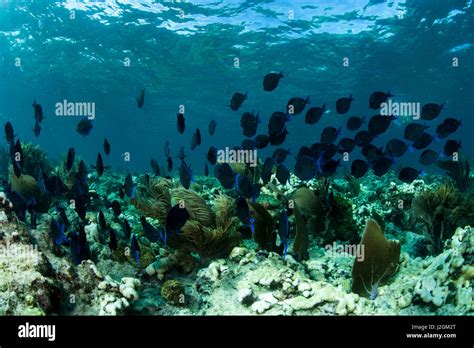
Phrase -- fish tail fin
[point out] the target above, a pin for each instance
(280, 75)
(350, 98)
(389, 95)
(307, 100)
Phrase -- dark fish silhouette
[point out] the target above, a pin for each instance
(451, 147)
(270, 81)
(303, 151)
(71, 154)
(429, 157)
(245, 187)
(212, 127)
(296, 105)
(379, 124)
(84, 126)
(277, 122)
(196, 139)
(343, 105)
(113, 245)
(37, 129)
(9, 133)
(243, 213)
(247, 144)
(141, 99)
(185, 174)
(127, 229)
(449, 126)
(396, 147)
(224, 173)
(314, 114)
(151, 232)
(354, 123)
(372, 152)
(329, 150)
(176, 219)
(135, 249)
(79, 246)
(329, 167)
(359, 168)
(408, 174)
(237, 100)
(423, 141)
(99, 165)
(430, 111)
(212, 155)
(261, 141)
(106, 147)
(329, 135)
(129, 187)
(206, 170)
(102, 221)
(363, 138)
(38, 112)
(279, 155)
(381, 165)
(249, 123)
(180, 123)
(414, 131)
(116, 208)
(278, 139)
(282, 173)
(345, 145)
(305, 168)
(169, 162)
(57, 231)
(377, 98)
(267, 170)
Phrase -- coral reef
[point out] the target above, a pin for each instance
(440, 212)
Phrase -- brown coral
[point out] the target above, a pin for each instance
(440, 212)
(379, 264)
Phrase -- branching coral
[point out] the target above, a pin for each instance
(440, 212)
(379, 264)
(458, 171)
(354, 184)
(34, 157)
(154, 200)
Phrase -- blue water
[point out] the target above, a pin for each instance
(183, 52)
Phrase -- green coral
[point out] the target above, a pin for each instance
(34, 157)
(173, 292)
(440, 212)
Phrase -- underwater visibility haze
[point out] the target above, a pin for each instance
(236, 157)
